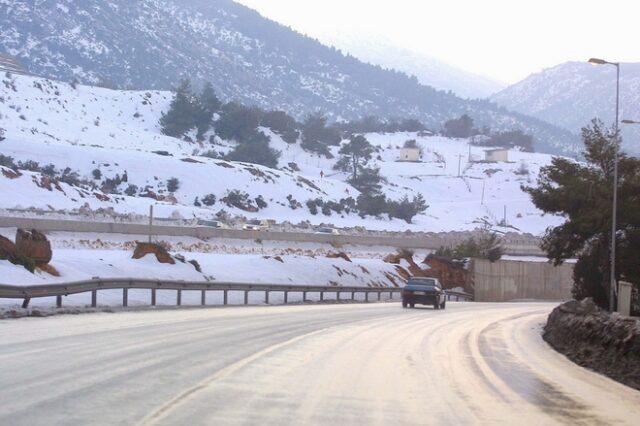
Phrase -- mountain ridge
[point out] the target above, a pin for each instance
(429, 70)
(153, 44)
(571, 94)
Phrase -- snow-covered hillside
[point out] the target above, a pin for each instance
(570, 95)
(86, 129)
(247, 58)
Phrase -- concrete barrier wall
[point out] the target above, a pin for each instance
(502, 281)
(521, 246)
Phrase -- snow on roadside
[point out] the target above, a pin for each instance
(77, 264)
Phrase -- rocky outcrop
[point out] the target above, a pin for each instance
(450, 273)
(596, 339)
(34, 245)
(340, 254)
(10, 174)
(7, 249)
(143, 249)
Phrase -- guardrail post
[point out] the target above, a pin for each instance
(337, 295)
(203, 298)
(286, 297)
(366, 297)
(59, 301)
(379, 296)
(153, 297)
(179, 297)
(225, 297)
(125, 297)
(25, 302)
(304, 296)
(391, 295)
(322, 296)
(266, 297)
(94, 298)
(246, 297)
(353, 295)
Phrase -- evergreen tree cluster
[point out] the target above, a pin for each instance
(188, 111)
(459, 127)
(511, 139)
(463, 128)
(583, 193)
(372, 124)
(377, 204)
(255, 149)
(354, 159)
(317, 135)
(486, 246)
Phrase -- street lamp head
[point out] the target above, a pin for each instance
(630, 122)
(596, 61)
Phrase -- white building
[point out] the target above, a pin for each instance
(410, 154)
(496, 155)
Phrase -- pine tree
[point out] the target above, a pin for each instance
(255, 150)
(281, 123)
(368, 181)
(459, 128)
(406, 209)
(355, 154)
(583, 195)
(208, 104)
(209, 100)
(181, 116)
(317, 135)
(238, 122)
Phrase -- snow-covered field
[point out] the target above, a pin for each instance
(88, 128)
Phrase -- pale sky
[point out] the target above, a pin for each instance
(503, 39)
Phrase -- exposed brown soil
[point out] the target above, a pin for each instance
(143, 249)
(34, 245)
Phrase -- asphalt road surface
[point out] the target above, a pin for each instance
(374, 364)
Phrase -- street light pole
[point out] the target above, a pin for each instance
(614, 225)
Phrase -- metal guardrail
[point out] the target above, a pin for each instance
(125, 284)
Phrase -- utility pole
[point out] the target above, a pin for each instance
(459, 163)
(150, 222)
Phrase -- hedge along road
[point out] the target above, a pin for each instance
(472, 363)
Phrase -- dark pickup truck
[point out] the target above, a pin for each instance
(423, 291)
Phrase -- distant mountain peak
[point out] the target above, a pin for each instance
(571, 94)
(429, 70)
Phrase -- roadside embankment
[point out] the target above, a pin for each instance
(593, 338)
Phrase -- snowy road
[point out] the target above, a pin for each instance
(334, 364)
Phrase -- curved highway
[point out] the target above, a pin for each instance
(374, 364)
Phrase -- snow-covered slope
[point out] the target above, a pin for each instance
(573, 93)
(88, 128)
(156, 43)
(429, 71)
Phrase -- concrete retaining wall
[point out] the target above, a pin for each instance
(502, 281)
(522, 246)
